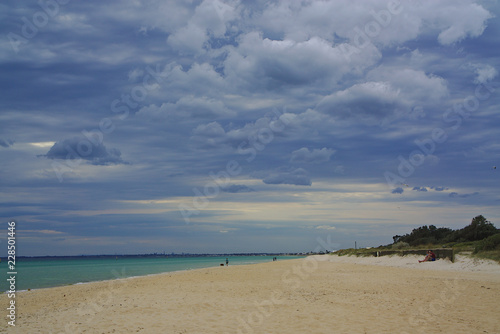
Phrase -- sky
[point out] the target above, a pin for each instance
(225, 126)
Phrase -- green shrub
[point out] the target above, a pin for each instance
(488, 244)
(400, 245)
(479, 229)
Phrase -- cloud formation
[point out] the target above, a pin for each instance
(298, 177)
(206, 98)
(455, 194)
(6, 142)
(80, 148)
(397, 190)
(313, 156)
(237, 188)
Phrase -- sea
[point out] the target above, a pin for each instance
(46, 272)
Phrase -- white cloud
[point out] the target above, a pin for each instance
(370, 100)
(266, 63)
(258, 134)
(42, 144)
(325, 227)
(415, 86)
(459, 22)
(209, 135)
(52, 232)
(198, 78)
(450, 20)
(209, 20)
(314, 156)
(484, 73)
(188, 106)
(388, 94)
(188, 39)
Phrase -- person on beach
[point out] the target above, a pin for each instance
(429, 257)
(227, 262)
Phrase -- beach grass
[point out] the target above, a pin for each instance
(490, 255)
(470, 249)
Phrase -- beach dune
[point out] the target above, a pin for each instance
(322, 294)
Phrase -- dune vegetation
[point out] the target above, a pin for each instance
(479, 239)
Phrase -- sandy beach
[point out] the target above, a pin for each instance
(319, 294)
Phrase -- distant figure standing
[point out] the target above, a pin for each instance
(429, 257)
(227, 262)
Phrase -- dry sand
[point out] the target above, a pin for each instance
(322, 294)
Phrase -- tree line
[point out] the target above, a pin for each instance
(479, 229)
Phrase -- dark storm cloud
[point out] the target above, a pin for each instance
(81, 148)
(455, 195)
(237, 188)
(191, 86)
(439, 188)
(397, 190)
(298, 177)
(373, 99)
(6, 142)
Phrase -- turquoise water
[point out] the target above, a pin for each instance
(35, 273)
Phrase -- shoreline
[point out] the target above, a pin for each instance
(315, 294)
(382, 260)
(111, 279)
(120, 274)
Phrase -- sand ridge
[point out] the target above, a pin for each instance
(461, 263)
(321, 294)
